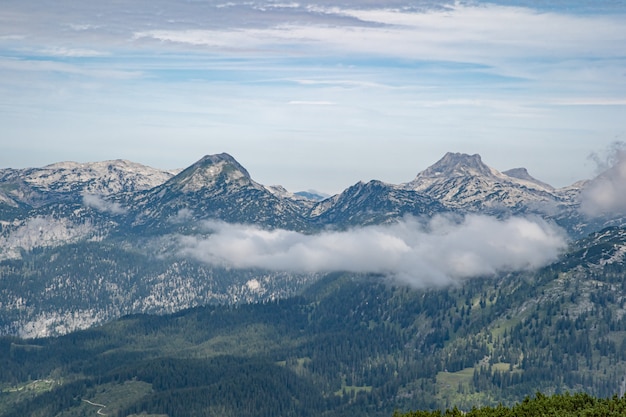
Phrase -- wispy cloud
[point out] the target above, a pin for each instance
(79, 27)
(72, 52)
(605, 195)
(100, 204)
(591, 101)
(438, 252)
(182, 216)
(50, 65)
(311, 102)
(427, 76)
(484, 34)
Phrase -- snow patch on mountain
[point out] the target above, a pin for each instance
(6, 200)
(56, 323)
(40, 231)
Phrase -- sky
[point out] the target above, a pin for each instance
(314, 94)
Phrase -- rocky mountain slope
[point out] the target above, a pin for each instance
(464, 182)
(215, 187)
(86, 243)
(69, 181)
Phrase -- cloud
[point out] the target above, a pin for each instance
(591, 101)
(438, 252)
(24, 66)
(71, 52)
(606, 194)
(100, 204)
(485, 34)
(311, 103)
(182, 216)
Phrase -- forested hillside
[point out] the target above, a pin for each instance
(348, 345)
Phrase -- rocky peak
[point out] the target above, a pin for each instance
(211, 171)
(522, 174)
(458, 164)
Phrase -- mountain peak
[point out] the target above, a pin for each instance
(522, 174)
(212, 170)
(456, 164)
(216, 159)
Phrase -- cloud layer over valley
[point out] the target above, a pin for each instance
(420, 253)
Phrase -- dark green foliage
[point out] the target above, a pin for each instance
(348, 345)
(245, 387)
(558, 405)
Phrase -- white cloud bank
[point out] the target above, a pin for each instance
(606, 194)
(421, 254)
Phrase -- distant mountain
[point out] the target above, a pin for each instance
(312, 195)
(85, 243)
(373, 203)
(216, 187)
(68, 181)
(522, 174)
(304, 198)
(464, 182)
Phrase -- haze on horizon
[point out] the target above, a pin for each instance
(314, 95)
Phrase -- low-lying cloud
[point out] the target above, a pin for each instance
(100, 204)
(437, 252)
(605, 195)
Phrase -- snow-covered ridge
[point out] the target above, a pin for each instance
(106, 177)
(454, 165)
(465, 182)
(39, 186)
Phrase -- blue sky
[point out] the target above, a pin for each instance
(314, 95)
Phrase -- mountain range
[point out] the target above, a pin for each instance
(85, 243)
(218, 187)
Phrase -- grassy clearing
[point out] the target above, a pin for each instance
(352, 390)
(13, 394)
(451, 380)
(37, 386)
(455, 389)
